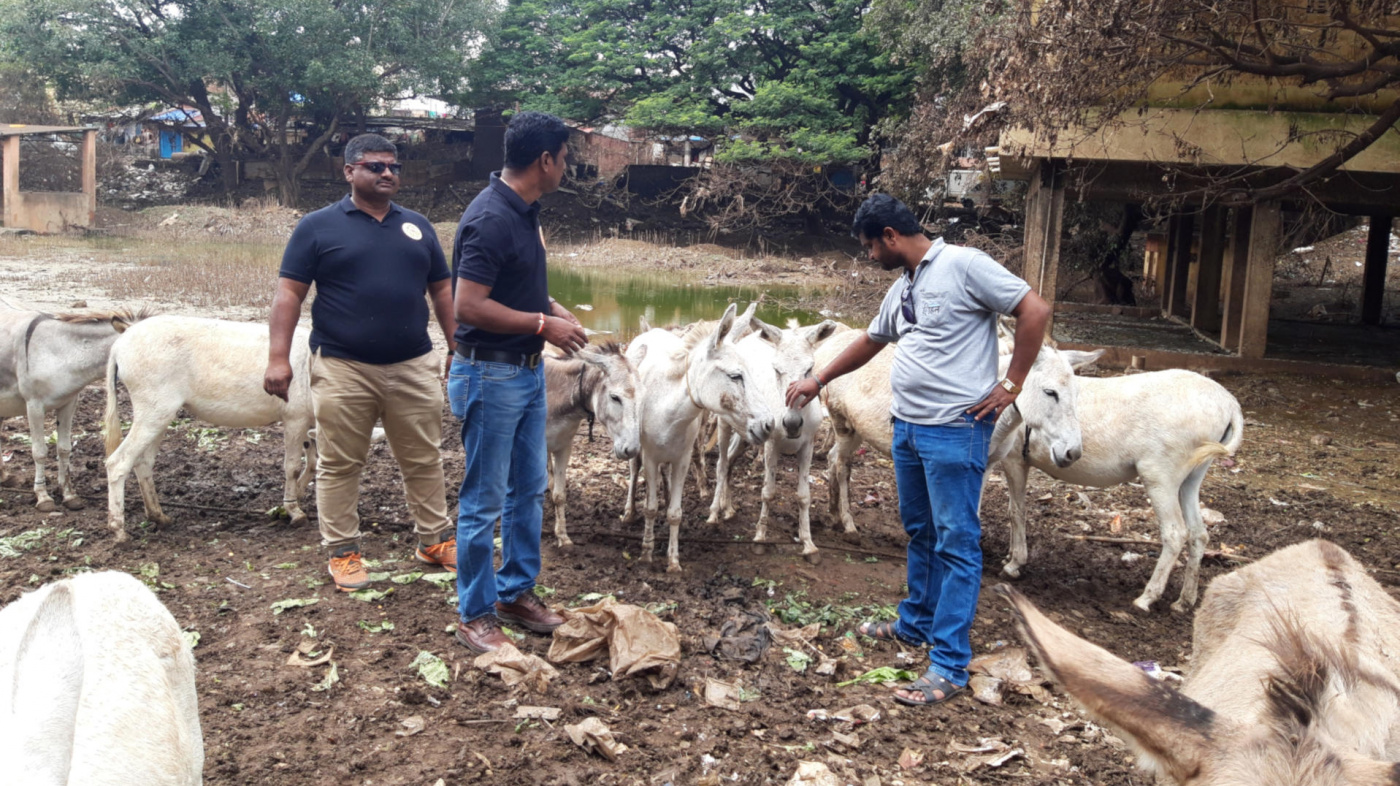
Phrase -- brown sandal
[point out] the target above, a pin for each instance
(927, 684)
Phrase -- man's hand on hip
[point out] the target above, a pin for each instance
(278, 379)
(996, 401)
(566, 335)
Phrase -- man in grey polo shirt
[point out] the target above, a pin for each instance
(942, 314)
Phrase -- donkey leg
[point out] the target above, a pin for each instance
(294, 445)
(839, 463)
(1173, 533)
(804, 503)
(721, 497)
(145, 480)
(629, 509)
(1016, 473)
(1190, 499)
(675, 485)
(144, 437)
(559, 492)
(71, 500)
(649, 511)
(39, 448)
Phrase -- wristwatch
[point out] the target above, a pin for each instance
(1009, 386)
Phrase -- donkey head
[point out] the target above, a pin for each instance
(1048, 400)
(791, 358)
(1188, 743)
(722, 383)
(614, 398)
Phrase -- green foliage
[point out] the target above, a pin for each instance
(431, 668)
(280, 606)
(800, 81)
(883, 675)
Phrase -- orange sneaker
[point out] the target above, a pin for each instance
(348, 571)
(443, 554)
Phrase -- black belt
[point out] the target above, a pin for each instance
(498, 356)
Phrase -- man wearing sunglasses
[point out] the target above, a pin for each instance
(942, 314)
(371, 359)
(496, 387)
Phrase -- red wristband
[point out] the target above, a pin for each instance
(540, 329)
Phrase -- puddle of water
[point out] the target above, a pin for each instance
(619, 300)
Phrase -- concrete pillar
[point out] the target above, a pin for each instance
(1205, 304)
(1178, 266)
(1232, 277)
(1373, 277)
(1259, 280)
(90, 174)
(11, 181)
(1045, 213)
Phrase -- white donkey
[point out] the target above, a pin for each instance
(214, 369)
(1294, 679)
(97, 687)
(681, 379)
(1165, 427)
(598, 383)
(777, 358)
(859, 407)
(45, 362)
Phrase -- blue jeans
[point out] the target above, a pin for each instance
(502, 411)
(939, 471)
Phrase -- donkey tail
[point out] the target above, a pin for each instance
(1210, 451)
(1234, 433)
(111, 421)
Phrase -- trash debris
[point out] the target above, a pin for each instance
(991, 752)
(850, 741)
(797, 660)
(280, 606)
(331, 678)
(1055, 725)
(743, 637)
(857, 715)
(796, 637)
(593, 735)
(538, 713)
(1115, 527)
(636, 641)
(1129, 557)
(1212, 517)
(826, 667)
(516, 667)
(1006, 668)
(411, 726)
(305, 655)
(910, 759)
(813, 773)
(725, 695)
(1156, 672)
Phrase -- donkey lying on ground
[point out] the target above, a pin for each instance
(97, 687)
(681, 378)
(859, 406)
(777, 358)
(597, 383)
(1295, 678)
(1165, 427)
(214, 369)
(45, 362)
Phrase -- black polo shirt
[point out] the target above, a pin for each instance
(370, 279)
(498, 245)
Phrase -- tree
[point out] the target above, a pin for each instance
(24, 98)
(259, 71)
(792, 85)
(1090, 63)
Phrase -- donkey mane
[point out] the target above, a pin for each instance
(1306, 666)
(697, 333)
(94, 317)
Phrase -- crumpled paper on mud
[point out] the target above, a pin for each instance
(813, 773)
(994, 673)
(594, 735)
(861, 713)
(989, 752)
(716, 693)
(635, 640)
(515, 667)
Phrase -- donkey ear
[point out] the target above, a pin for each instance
(1168, 729)
(1079, 360)
(769, 333)
(641, 354)
(821, 332)
(726, 323)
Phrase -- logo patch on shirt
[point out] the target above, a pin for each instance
(412, 230)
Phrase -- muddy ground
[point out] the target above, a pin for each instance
(1319, 459)
(224, 562)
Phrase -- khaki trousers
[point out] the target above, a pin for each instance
(348, 398)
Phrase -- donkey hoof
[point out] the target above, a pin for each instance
(1011, 571)
(73, 503)
(45, 505)
(299, 518)
(1181, 606)
(1143, 605)
(674, 567)
(815, 558)
(565, 543)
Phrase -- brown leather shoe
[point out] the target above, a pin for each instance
(530, 613)
(482, 634)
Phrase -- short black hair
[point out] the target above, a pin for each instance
(356, 148)
(882, 210)
(531, 134)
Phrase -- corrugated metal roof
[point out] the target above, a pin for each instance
(20, 129)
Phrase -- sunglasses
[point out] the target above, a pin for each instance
(378, 167)
(906, 305)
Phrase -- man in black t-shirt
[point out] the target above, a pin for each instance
(371, 359)
(496, 386)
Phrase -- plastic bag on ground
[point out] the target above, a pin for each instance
(636, 642)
